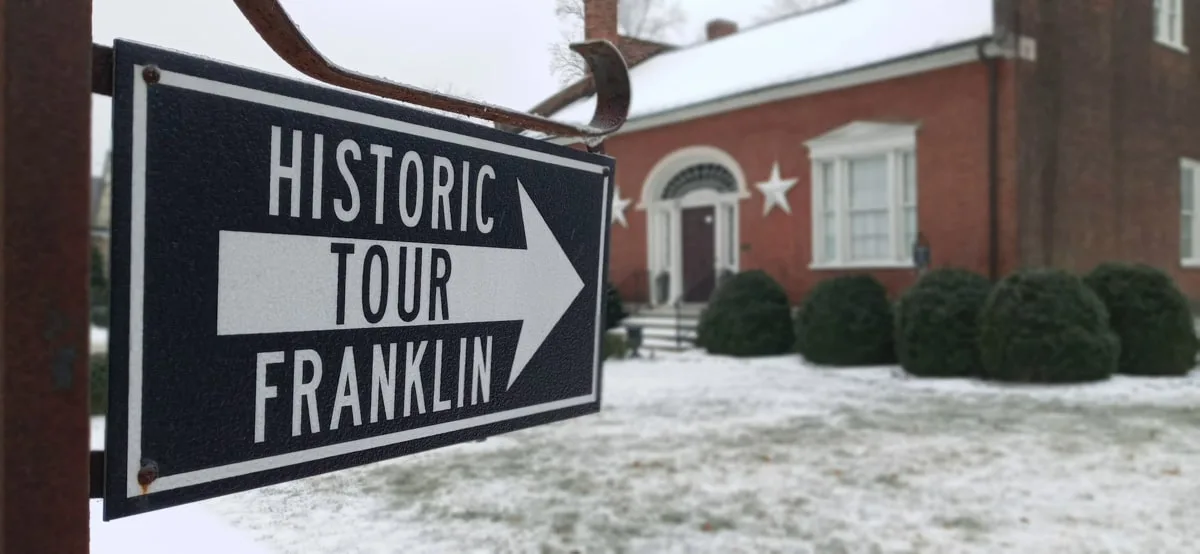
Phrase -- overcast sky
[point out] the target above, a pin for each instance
(494, 50)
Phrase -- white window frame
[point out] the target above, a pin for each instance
(839, 147)
(1189, 212)
(1169, 24)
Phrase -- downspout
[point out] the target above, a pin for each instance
(992, 63)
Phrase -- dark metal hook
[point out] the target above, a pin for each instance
(607, 65)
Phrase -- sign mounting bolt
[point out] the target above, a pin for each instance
(151, 74)
(147, 474)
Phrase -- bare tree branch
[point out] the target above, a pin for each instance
(569, 9)
(649, 19)
(644, 19)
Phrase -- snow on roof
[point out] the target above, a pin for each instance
(846, 36)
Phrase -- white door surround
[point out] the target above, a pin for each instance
(690, 177)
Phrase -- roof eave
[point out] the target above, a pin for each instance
(919, 62)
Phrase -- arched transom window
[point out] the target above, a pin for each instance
(699, 177)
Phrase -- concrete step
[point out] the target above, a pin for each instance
(646, 308)
(659, 331)
(662, 325)
(665, 345)
(668, 333)
(656, 330)
(669, 311)
(657, 321)
(663, 340)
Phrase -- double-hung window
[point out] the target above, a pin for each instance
(1189, 223)
(1168, 23)
(864, 195)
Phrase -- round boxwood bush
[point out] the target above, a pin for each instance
(98, 384)
(615, 345)
(937, 331)
(99, 290)
(1046, 326)
(614, 308)
(846, 321)
(749, 315)
(1149, 315)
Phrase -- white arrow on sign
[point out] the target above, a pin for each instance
(272, 283)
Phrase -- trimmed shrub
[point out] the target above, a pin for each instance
(616, 345)
(98, 386)
(1046, 326)
(937, 330)
(1150, 316)
(100, 316)
(846, 321)
(614, 308)
(749, 315)
(99, 290)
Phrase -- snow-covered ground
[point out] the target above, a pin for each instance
(98, 338)
(700, 454)
(190, 529)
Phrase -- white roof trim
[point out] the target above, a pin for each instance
(932, 61)
(863, 136)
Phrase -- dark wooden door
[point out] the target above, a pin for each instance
(698, 231)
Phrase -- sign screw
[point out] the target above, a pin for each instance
(147, 474)
(150, 74)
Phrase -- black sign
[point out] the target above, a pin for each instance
(307, 280)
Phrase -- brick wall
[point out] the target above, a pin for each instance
(951, 106)
(1104, 115)
(1090, 137)
(600, 19)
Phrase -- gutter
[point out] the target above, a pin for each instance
(991, 61)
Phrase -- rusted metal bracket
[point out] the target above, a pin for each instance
(605, 61)
(102, 70)
(44, 221)
(96, 474)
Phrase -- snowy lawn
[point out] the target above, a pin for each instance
(700, 454)
(190, 529)
(98, 338)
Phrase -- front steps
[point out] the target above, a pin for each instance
(660, 330)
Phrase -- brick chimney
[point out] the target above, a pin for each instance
(600, 19)
(718, 28)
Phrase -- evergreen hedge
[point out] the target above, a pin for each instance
(846, 321)
(1150, 316)
(937, 330)
(99, 290)
(98, 384)
(1046, 326)
(614, 307)
(748, 315)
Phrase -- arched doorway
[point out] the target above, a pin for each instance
(692, 199)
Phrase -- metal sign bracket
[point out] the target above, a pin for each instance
(606, 65)
(604, 60)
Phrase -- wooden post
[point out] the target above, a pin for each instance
(45, 107)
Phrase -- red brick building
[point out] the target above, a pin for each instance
(1009, 133)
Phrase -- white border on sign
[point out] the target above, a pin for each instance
(137, 279)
